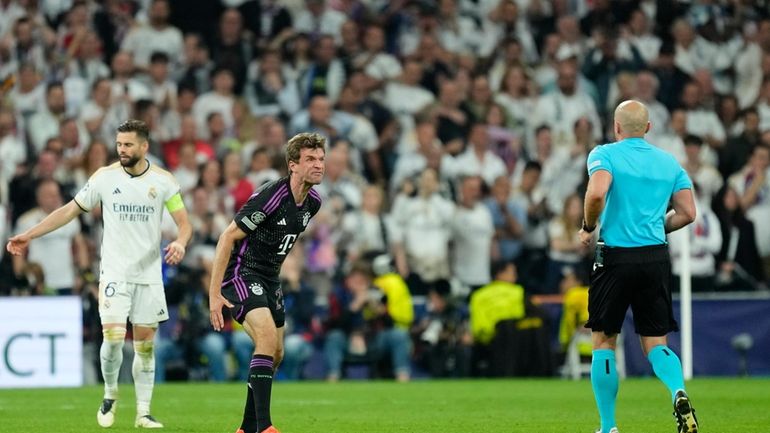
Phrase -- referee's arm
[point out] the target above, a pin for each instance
(682, 212)
(596, 192)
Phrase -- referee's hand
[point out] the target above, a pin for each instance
(216, 302)
(586, 237)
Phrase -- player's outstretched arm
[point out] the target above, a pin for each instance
(683, 211)
(19, 243)
(225, 245)
(175, 251)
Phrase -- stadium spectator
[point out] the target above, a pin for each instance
(737, 150)
(156, 35)
(365, 230)
(359, 324)
(752, 184)
(705, 242)
(270, 91)
(472, 234)
(509, 219)
(45, 123)
(565, 251)
(66, 244)
(421, 235)
(325, 75)
(738, 261)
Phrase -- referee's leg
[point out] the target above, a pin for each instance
(668, 368)
(604, 378)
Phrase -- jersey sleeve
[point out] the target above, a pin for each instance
(260, 205)
(682, 181)
(598, 160)
(88, 196)
(172, 198)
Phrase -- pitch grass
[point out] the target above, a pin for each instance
(483, 406)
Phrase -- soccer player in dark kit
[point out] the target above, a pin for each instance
(248, 259)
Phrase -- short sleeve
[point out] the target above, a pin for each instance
(682, 181)
(598, 160)
(260, 205)
(88, 196)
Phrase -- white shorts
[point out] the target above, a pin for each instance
(143, 304)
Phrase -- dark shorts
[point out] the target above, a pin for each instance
(638, 277)
(249, 292)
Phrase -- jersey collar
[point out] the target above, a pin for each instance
(140, 174)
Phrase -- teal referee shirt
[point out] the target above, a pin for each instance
(644, 178)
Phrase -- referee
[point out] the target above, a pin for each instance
(631, 183)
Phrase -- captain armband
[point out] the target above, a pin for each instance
(175, 203)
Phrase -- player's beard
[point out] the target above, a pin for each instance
(132, 161)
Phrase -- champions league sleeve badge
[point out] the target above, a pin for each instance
(305, 219)
(257, 217)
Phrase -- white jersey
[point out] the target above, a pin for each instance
(132, 207)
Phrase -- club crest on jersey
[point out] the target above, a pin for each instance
(256, 288)
(305, 219)
(152, 193)
(257, 217)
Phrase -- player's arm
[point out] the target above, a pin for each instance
(682, 212)
(175, 250)
(59, 217)
(225, 245)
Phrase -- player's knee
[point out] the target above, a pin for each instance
(114, 335)
(113, 341)
(278, 357)
(143, 348)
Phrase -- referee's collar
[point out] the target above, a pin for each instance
(635, 141)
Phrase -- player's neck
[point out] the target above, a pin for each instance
(139, 168)
(299, 189)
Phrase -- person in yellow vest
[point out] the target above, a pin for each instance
(502, 299)
(574, 310)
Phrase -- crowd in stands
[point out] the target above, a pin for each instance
(458, 132)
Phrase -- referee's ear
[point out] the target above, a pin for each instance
(649, 126)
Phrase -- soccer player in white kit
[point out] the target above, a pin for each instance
(132, 193)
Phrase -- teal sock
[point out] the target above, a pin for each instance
(667, 367)
(604, 380)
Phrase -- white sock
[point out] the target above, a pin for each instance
(111, 354)
(144, 375)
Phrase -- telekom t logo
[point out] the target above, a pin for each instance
(286, 244)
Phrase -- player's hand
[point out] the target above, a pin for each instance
(216, 302)
(586, 237)
(174, 253)
(17, 244)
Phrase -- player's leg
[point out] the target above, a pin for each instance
(147, 310)
(260, 325)
(114, 305)
(143, 370)
(604, 377)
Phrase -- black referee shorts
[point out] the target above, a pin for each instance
(638, 277)
(249, 292)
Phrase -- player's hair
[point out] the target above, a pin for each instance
(304, 140)
(137, 126)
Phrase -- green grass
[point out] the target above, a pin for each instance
(527, 406)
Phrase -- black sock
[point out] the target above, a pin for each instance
(249, 423)
(261, 381)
